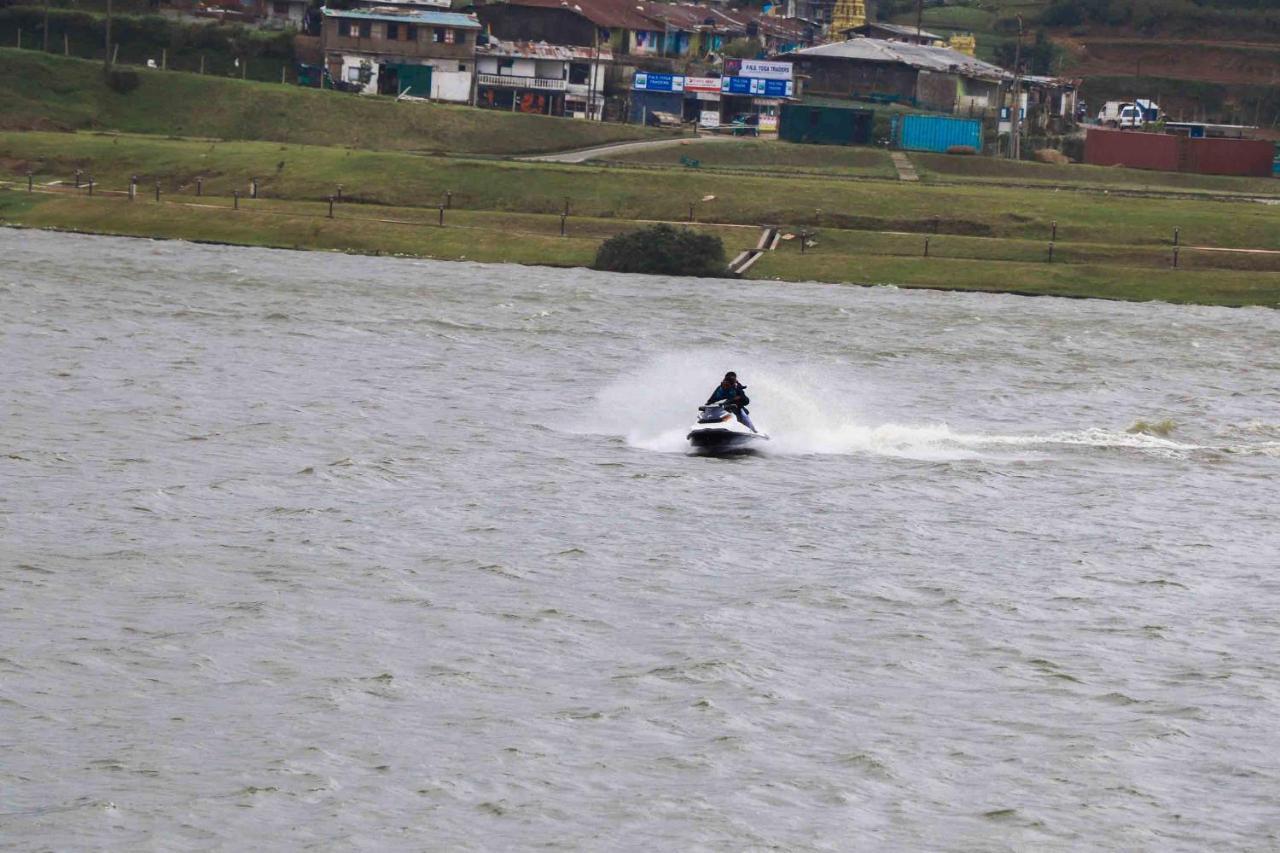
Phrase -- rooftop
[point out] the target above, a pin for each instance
(542, 50)
(898, 30)
(681, 17)
(920, 56)
(401, 15)
(625, 14)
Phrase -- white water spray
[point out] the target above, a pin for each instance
(807, 410)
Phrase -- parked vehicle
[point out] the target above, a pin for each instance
(1128, 113)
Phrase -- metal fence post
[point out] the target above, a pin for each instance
(235, 195)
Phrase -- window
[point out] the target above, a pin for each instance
(353, 74)
(438, 35)
(393, 32)
(506, 65)
(462, 67)
(366, 29)
(280, 8)
(579, 73)
(462, 36)
(449, 36)
(411, 32)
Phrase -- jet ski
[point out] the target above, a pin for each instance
(719, 433)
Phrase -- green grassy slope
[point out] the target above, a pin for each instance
(53, 92)
(307, 172)
(865, 258)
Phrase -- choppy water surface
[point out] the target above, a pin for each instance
(353, 553)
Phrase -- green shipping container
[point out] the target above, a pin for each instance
(824, 125)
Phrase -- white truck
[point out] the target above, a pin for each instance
(1128, 113)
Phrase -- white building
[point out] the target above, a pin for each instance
(557, 80)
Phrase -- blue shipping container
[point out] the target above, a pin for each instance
(938, 133)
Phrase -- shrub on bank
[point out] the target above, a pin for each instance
(663, 250)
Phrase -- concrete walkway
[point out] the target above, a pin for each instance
(585, 154)
(901, 162)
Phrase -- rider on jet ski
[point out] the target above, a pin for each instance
(734, 397)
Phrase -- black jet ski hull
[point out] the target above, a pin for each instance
(724, 442)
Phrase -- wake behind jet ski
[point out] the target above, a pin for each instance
(724, 426)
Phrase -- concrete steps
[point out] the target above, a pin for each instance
(743, 260)
(901, 162)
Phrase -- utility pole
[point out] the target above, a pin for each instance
(919, 18)
(1015, 117)
(106, 56)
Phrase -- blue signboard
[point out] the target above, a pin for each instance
(756, 86)
(658, 82)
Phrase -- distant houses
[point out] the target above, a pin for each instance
(663, 62)
(392, 50)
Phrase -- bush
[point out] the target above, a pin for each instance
(663, 250)
(122, 80)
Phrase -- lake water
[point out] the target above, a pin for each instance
(342, 553)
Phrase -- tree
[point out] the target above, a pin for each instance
(663, 250)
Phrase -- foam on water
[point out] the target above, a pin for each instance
(809, 410)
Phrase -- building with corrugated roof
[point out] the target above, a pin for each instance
(396, 50)
(935, 78)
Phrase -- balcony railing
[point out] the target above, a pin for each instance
(511, 82)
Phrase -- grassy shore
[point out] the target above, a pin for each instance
(295, 172)
(955, 263)
(42, 91)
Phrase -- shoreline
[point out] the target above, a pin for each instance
(974, 237)
(939, 288)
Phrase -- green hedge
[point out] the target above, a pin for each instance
(663, 250)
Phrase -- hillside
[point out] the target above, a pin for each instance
(47, 92)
